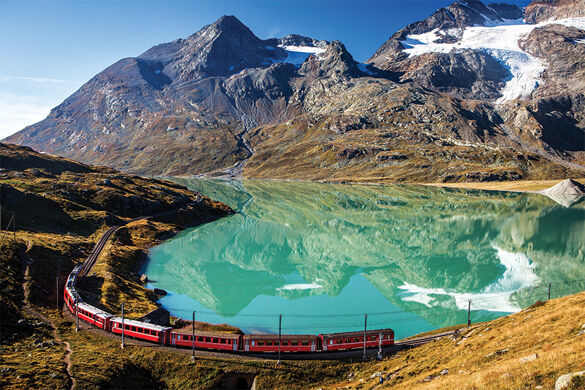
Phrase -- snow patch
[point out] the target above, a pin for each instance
(296, 55)
(300, 286)
(519, 274)
(499, 40)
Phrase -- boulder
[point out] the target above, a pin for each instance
(529, 358)
(160, 292)
(497, 353)
(565, 380)
(143, 279)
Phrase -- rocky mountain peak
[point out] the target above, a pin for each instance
(542, 10)
(335, 62)
(222, 48)
(300, 40)
(229, 28)
(449, 22)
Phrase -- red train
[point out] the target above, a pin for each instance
(219, 341)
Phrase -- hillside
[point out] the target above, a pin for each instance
(54, 209)
(527, 350)
(472, 93)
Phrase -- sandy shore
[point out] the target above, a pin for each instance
(518, 186)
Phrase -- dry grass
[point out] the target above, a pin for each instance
(549, 330)
(26, 366)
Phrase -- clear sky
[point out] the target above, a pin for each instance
(48, 49)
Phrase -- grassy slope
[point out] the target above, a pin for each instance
(301, 150)
(61, 209)
(549, 330)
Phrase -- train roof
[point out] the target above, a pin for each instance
(275, 337)
(141, 324)
(357, 333)
(207, 333)
(94, 310)
(72, 293)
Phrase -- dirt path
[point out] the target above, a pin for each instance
(68, 360)
(58, 338)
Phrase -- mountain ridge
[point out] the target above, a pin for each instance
(223, 101)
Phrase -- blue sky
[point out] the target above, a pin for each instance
(48, 49)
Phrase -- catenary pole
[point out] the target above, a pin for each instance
(549, 291)
(122, 325)
(469, 313)
(380, 336)
(76, 311)
(193, 336)
(279, 336)
(365, 330)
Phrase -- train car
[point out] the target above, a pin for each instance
(72, 278)
(141, 330)
(207, 340)
(269, 343)
(94, 316)
(355, 340)
(69, 297)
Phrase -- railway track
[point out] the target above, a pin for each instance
(355, 354)
(97, 250)
(330, 355)
(100, 245)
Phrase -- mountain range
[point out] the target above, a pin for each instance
(474, 92)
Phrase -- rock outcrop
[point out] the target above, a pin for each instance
(542, 10)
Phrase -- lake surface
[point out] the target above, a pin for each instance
(411, 257)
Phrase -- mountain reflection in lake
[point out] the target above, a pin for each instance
(323, 255)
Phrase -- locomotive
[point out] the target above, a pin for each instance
(165, 335)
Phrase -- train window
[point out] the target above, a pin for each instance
(305, 343)
(222, 341)
(133, 329)
(179, 337)
(330, 342)
(260, 342)
(208, 340)
(216, 341)
(253, 342)
(285, 343)
(200, 339)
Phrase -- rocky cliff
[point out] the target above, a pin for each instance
(470, 93)
(542, 10)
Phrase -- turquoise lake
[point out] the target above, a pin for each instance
(411, 257)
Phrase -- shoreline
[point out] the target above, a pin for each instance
(510, 186)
